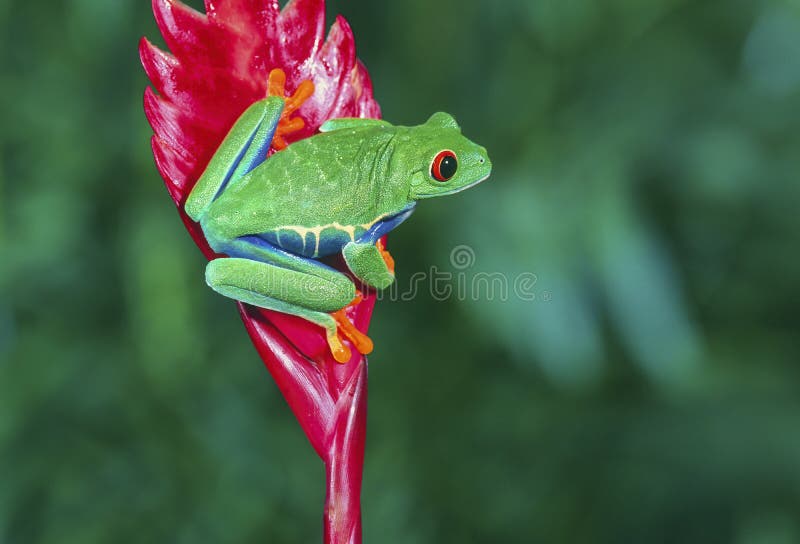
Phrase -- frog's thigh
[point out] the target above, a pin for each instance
(310, 295)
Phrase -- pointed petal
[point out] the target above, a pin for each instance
(183, 28)
(195, 40)
(254, 23)
(329, 70)
(253, 17)
(157, 64)
(337, 58)
(365, 105)
(177, 129)
(173, 168)
(301, 27)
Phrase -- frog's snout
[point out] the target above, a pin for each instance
(483, 159)
(483, 155)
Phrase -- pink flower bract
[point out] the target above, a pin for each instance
(218, 65)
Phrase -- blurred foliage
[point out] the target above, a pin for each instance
(646, 170)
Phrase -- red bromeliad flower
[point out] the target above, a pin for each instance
(220, 64)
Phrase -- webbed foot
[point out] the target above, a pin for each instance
(276, 86)
(361, 341)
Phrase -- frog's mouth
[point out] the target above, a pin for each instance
(454, 190)
(463, 187)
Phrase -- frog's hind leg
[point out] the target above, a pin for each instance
(277, 280)
(243, 149)
(310, 296)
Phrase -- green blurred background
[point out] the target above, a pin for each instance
(646, 171)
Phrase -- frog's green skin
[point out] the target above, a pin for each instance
(338, 191)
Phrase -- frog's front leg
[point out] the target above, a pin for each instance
(244, 148)
(370, 263)
(262, 125)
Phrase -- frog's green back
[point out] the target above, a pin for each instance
(343, 177)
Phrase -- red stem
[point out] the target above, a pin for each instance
(345, 462)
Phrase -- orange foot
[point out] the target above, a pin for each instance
(360, 340)
(276, 86)
(387, 257)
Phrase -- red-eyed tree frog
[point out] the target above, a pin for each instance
(338, 191)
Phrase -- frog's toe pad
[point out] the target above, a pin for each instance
(360, 341)
(340, 352)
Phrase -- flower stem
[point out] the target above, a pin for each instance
(345, 462)
(342, 521)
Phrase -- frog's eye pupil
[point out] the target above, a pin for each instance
(444, 166)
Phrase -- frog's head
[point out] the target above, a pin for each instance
(445, 162)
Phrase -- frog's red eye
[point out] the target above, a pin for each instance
(444, 166)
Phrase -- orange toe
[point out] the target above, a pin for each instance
(340, 352)
(361, 341)
(276, 86)
(276, 82)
